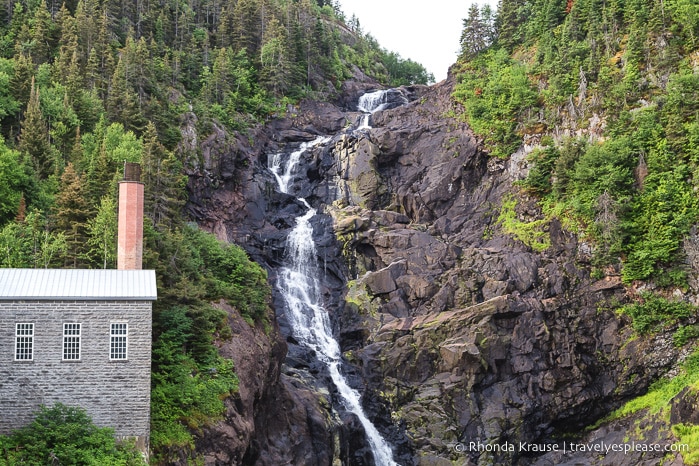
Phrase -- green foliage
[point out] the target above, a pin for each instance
(30, 244)
(688, 434)
(665, 212)
(658, 396)
(14, 182)
(102, 234)
(202, 268)
(539, 180)
(662, 391)
(684, 334)
(533, 233)
(404, 72)
(190, 380)
(65, 435)
(495, 92)
(629, 184)
(654, 313)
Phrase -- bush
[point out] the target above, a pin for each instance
(656, 312)
(190, 379)
(66, 435)
(531, 233)
(495, 91)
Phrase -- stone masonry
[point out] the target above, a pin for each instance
(114, 393)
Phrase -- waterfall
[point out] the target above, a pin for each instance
(275, 163)
(298, 284)
(372, 102)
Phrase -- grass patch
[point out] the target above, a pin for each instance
(661, 392)
(688, 435)
(530, 233)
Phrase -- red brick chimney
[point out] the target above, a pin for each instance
(130, 247)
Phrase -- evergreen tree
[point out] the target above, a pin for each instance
(511, 14)
(41, 34)
(71, 214)
(276, 65)
(163, 180)
(122, 104)
(33, 139)
(246, 29)
(68, 51)
(13, 183)
(475, 33)
(20, 83)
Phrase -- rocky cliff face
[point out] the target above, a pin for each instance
(453, 331)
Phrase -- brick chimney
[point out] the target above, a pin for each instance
(130, 243)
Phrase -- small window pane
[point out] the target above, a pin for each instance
(118, 341)
(24, 342)
(71, 341)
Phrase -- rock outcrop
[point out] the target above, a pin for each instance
(454, 331)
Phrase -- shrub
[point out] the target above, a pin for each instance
(65, 435)
(656, 312)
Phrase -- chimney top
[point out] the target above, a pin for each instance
(132, 171)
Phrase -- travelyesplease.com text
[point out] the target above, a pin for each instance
(566, 447)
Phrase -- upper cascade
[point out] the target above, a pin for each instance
(381, 100)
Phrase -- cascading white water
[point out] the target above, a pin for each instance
(373, 101)
(275, 164)
(309, 320)
(369, 103)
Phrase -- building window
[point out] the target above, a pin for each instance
(24, 342)
(71, 342)
(118, 334)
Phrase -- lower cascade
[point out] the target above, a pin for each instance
(298, 284)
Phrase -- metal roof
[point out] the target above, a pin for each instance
(77, 284)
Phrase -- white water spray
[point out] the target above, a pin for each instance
(275, 164)
(369, 103)
(308, 318)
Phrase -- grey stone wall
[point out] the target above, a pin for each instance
(114, 393)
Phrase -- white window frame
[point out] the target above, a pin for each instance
(116, 354)
(24, 341)
(72, 332)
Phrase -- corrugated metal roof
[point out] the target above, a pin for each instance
(80, 284)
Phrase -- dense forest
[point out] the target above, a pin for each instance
(608, 92)
(86, 85)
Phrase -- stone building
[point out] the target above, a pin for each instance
(82, 337)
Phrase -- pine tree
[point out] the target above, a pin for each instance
(163, 180)
(34, 139)
(68, 51)
(510, 17)
(20, 83)
(224, 32)
(41, 34)
(71, 214)
(276, 65)
(474, 35)
(122, 105)
(246, 29)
